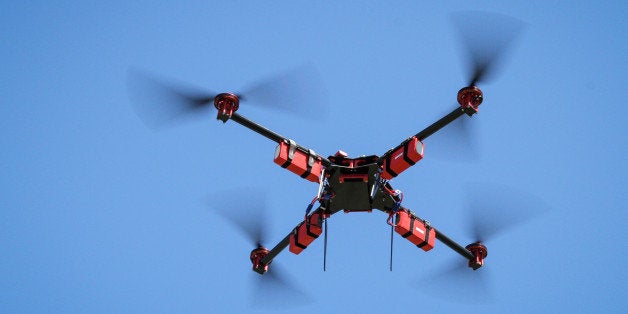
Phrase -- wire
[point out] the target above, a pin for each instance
(396, 207)
(325, 248)
(391, 246)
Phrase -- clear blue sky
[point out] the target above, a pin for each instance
(99, 213)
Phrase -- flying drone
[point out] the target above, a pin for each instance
(362, 183)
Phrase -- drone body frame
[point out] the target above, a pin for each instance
(355, 184)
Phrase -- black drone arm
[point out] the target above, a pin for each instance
(423, 134)
(410, 151)
(261, 266)
(454, 245)
(434, 127)
(257, 128)
(270, 134)
(282, 245)
(469, 99)
(475, 252)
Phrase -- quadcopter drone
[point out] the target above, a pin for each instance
(356, 184)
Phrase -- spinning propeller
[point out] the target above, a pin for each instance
(159, 101)
(246, 210)
(487, 38)
(491, 211)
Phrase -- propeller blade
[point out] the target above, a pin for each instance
(299, 92)
(493, 209)
(457, 142)
(159, 101)
(274, 290)
(455, 281)
(487, 38)
(245, 209)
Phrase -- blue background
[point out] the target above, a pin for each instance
(99, 213)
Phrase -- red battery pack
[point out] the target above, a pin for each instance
(403, 156)
(294, 158)
(415, 230)
(305, 233)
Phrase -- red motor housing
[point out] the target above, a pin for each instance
(480, 252)
(256, 258)
(470, 99)
(227, 104)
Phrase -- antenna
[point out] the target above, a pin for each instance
(325, 248)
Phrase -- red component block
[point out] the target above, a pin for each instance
(305, 233)
(415, 230)
(305, 164)
(402, 158)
